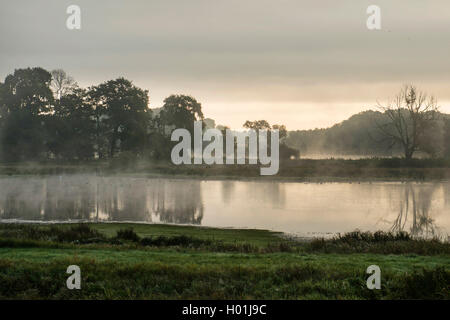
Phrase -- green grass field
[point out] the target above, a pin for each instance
(177, 262)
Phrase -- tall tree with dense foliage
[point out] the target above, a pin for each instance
(71, 128)
(122, 116)
(26, 98)
(180, 111)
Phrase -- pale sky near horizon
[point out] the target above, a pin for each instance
(305, 64)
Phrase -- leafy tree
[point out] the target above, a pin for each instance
(26, 99)
(285, 151)
(282, 131)
(122, 116)
(257, 125)
(180, 111)
(209, 123)
(2, 96)
(28, 89)
(72, 127)
(161, 146)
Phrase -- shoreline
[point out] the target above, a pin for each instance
(289, 236)
(282, 234)
(281, 179)
(302, 170)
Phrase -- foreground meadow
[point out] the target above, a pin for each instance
(137, 261)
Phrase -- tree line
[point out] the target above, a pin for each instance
(47, 115)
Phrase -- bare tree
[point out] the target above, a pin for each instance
(409, 115)
(62, 83)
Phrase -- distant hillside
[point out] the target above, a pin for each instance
(359, 135)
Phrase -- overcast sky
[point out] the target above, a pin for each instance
(304, 64)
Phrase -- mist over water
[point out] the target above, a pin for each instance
(306, 209)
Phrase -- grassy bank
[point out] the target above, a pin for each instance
(120, 261)
(296, 170)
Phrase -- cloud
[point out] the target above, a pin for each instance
(255, 51)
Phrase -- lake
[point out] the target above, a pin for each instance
(304, 209)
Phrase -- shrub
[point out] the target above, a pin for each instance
(79, 233)
(127, 234)
(423, 284)
(378, 242)
(182, 241)
(75, 233)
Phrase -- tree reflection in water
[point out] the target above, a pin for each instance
(62, 198)
(414, 212)
(179, 202)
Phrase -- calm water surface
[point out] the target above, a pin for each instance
(306, 209)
